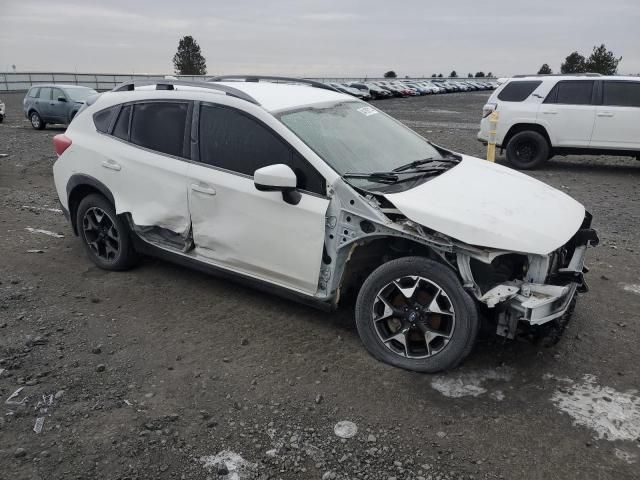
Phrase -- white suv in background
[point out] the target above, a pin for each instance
(305, 191)
(543, 116)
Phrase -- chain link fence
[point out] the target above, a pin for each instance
(22, 81)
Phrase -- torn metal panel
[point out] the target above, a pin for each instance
(499, 294)
(353, 220)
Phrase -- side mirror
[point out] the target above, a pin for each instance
(278, 178)
(62, 99)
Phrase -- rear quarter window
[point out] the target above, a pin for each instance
(121, 128)
(102, 119)
(518, 91)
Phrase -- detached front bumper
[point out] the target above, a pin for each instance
(537, 303)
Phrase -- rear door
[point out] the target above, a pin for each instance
(43, 104)
(617, 124)
(144, 163)
(568, 113)
(241, 228)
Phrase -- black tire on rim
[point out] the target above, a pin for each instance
(527, 150)
(414, 314)
(105, 236)
(36, 121)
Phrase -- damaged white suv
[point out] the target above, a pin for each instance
(306, 191)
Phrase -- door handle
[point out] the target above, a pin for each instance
(605, 114)
(202, 189)
(550, 113)
(111, 165)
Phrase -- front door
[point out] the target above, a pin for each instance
(238, 227)
(60, 109)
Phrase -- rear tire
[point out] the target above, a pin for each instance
(527, 150)
(36, 121)
(414, 314)
(105, 235)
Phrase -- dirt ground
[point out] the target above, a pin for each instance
(163, 372)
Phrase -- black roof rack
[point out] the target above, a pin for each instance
(169, 84)
(257, 78)
(559, 75)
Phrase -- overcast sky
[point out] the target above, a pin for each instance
(315, 38)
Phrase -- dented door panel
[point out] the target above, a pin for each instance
(254, 232)
(152, 187)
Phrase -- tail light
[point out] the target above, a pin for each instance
(61, 142)
(488, 109)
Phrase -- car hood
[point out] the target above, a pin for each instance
(484, 204)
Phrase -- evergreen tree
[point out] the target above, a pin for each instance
(188, 60)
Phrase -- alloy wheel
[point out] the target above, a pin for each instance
(526, 151)
(413, 317)
(101, 234)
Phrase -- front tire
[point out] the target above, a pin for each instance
(414, 314)
(105, 236)
(527, 150)
(36, 121)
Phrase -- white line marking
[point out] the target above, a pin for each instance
(45, 232)
(45, 209)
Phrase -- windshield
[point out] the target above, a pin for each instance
(354, 137)
(79, 94)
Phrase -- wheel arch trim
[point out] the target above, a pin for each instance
(81, 181)
(521, 127)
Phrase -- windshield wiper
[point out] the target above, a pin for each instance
(417, 163)
(379, 177)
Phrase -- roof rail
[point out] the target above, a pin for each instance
(168, 84)
(257, 78)
(559, 75)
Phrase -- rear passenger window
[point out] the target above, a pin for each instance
(571, 92)
(235, 142)
(621, 94)
(102, 119)
(121, 128)
(45, 93)
(518, 91)
(160, 126)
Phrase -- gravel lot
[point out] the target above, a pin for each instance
(163, 372)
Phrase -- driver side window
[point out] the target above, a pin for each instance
(236, 142)
(57, 93)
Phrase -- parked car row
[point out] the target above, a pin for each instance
(376, 90)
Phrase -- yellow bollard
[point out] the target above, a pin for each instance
(491, 144)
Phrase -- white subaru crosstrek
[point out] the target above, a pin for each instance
(545, 115)
(305, 191)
